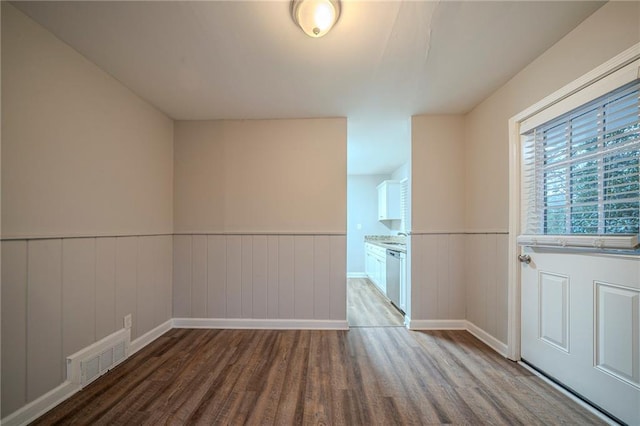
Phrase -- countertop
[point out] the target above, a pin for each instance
(401, 247)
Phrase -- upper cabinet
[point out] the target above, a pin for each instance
(389, 200)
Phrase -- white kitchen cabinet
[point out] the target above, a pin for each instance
(369, 262)
(389, 207)
(376, 265)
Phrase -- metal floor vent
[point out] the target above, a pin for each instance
(86, 365)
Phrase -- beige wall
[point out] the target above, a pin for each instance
(460, 178)
(610, 30)
(437, 151)
(81, 154)
(279, 177)
(261, 176)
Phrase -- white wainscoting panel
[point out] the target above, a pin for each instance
(79, 301)
(286, 275)
(485, 272)
(338, 284)
(322, 276)
(216, 283)
(259, 275)
(233, 295)
(199, 267)
(273, 280)
(437, 287)
(45, 362)
(181, 276)
(14, 326)
(461, 276)
(61, 295)
(106, 287)
(126, 280)
(618, 332)
(298, 277)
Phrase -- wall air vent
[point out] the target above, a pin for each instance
(86, 365)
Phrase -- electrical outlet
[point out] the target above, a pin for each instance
(127, 321)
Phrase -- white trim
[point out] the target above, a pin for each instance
(407, 321)
(609, 67)
(437, 324)
(462, 231)
(626, 242)
(482, 335)
(487, 339)
(149, 337)
(356, 275)
(259, 324)
(619, 61)
(513, 285)
(596, 89)
(275, 233)
(79, 236)
(38, 407)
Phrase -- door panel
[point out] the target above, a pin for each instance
(618, 334)
(553, 309)
(581, 325)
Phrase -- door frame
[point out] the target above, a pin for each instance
(514, 279)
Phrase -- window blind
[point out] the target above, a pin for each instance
(581, 174)
(404, 193)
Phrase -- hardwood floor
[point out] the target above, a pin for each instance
(365, 376)
(366, 307)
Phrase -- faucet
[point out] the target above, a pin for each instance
(403, 233)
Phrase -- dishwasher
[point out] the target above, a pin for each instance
(393, 277)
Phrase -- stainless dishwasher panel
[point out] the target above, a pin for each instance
(393, 277)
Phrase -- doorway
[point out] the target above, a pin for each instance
(378, 212)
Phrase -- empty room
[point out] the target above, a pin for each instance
(335, 212)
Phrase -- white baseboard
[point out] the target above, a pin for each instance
(407, 321)
(356, 275)
(488, 339)
(149, 337)
(437, 325)
(38, 407)
(482, 335)
(260, 324)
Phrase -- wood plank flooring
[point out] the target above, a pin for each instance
(365, 376)
(367, 307)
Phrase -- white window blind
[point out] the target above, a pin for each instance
(404, 193)
(581, 175)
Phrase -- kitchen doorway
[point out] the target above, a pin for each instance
(378, 220)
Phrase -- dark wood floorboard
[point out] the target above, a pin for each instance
(367, 307)
(365, 376)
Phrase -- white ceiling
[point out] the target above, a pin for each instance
(383, 61)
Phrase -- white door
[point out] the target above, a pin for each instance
(580, 186)
(581, 325)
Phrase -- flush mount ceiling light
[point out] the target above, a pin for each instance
(315, 17)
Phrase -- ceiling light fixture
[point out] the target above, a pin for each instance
(315, 17)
